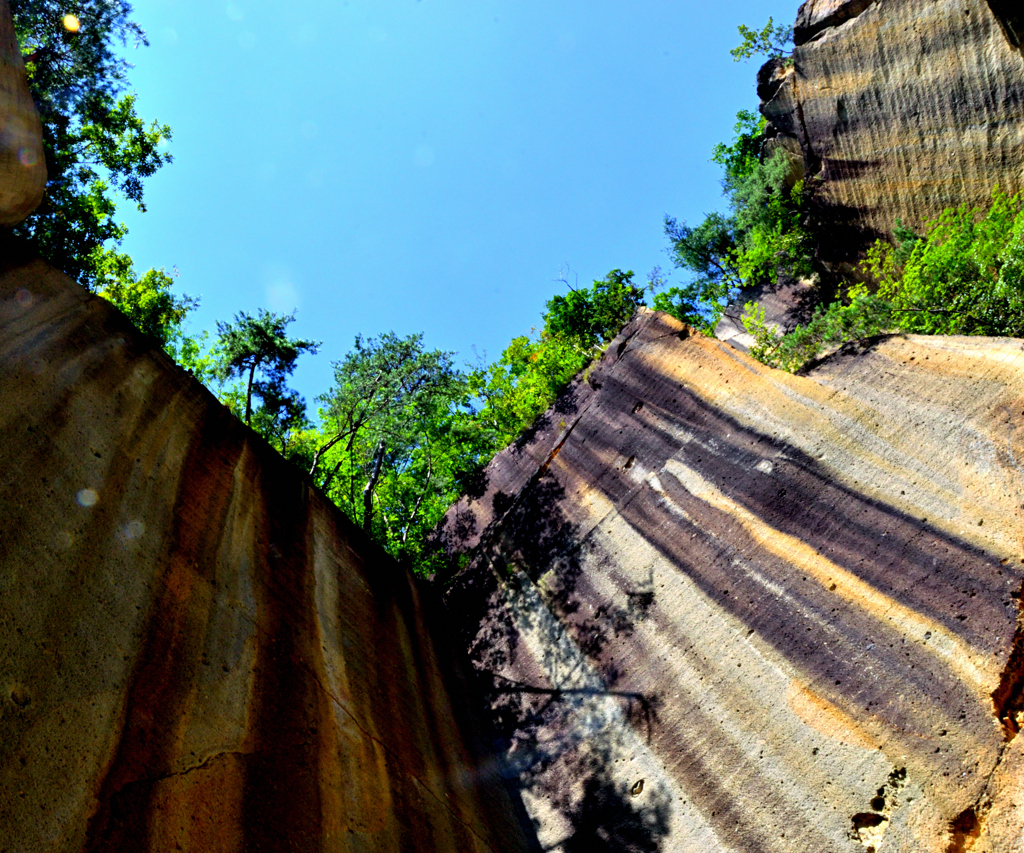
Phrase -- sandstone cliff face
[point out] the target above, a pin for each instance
(22, 165)
(900, 108)
(716, 607)
(197, 651)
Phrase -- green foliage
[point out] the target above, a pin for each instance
(964, 276)
(258, 351)
(146, 301)
(771, 41)
(523, 383)
(97, 147)
(433, 427)
(863, 316)
(762, 237)
(710, 251)
(531, 373)
(391, 396)
(594, 317)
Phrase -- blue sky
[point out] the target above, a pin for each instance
(427, 165)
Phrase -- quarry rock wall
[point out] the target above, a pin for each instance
(716, 607)
(22, 164)
(198, 652)
(899, 109)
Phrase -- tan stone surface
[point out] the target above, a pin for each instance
(22, 166)
(902, 108)
(787, 605)
(197, 651)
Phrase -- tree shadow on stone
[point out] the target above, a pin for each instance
(612, 819)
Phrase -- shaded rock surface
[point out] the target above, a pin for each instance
(197, 651)
(22, 165)
(716, 607)
(785, 304)
(901, 109)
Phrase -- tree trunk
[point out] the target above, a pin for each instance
(248, 395)
(371, 484)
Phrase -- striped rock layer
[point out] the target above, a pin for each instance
(900, 108)
(22, 163)
(197, 651)
(712, 606)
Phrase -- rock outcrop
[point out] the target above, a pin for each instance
(716, 607)
(22, 164)
(900, 108)
(198, 652)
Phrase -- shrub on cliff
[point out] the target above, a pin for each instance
(963, 276)
(762, 237)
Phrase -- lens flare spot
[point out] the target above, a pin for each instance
(87, 497)
(27, 156)
(24, 298)
(133, 530)
(72, 24)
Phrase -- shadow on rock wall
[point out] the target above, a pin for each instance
(561, 722)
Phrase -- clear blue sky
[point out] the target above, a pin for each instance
(427, 165)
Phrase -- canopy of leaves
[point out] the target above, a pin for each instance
(594, 317)
(97, 147)
(434, 426)
(771, 41)
(964, 276)
(147, 300)
(259, 351)
(762, 237)
(389, 393)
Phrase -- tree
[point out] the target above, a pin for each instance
(771, 41)
(96, 145)
(258, 350)
(594, 317)
(709, 250)
(147, 300)
(525, 380)
(392, 438)
(963, 276)
(762, 236)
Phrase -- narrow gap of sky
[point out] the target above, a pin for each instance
(427, 166)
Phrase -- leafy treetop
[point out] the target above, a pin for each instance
(96, 144)
(771, 41)
(260, 343)
(763, 235)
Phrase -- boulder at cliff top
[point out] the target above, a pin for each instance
(717, 607)
(198, 652)
(902, 108)
(22, 164)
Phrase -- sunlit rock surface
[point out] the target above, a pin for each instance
(198, 652)
(717, 607)
(901, 109)
(22, 166)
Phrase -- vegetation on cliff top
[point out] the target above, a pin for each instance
(404, 431)
(963, 276)
(763, 236)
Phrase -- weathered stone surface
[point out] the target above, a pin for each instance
(713, 606)
(785, 305)
(22, 165)
(902, 108)
(197, 651)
